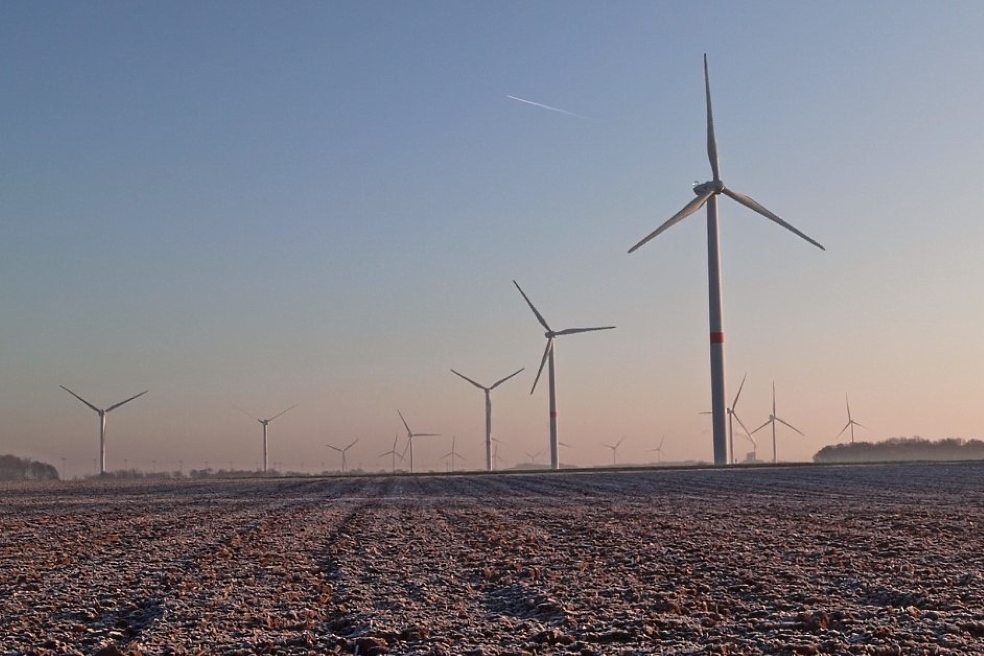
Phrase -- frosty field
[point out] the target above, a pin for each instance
(866, 559)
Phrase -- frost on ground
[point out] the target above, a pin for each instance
(865, 560)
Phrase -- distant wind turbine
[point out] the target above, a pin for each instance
(772, 420)
(393, 452)
(850, 421)
(410, 436)
(732, 417)
(343, 451)
(265, 423)
(614, 448)
(452, 454)
(659, 451)
(102, 412)
(548, 355)
(534, 456)
(707, 194)
(488, 411)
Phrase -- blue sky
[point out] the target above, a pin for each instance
(325, 203)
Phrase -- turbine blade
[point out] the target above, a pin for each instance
(246, 413)
(539, 317)
(352, 444)
(407, 426)
(282, 413)
(848, 407)
(762, 426)
(333, 448)
(687, 210)
(789, 425)
(499, 382)
(860, 425)
(426, 434)
(543, 361)
(846, 426)
(572, 331)
(113, 407)
(740, 387)
(738, 419)
(712, 152)
(468, 379)
(756, 207)
(79, 398)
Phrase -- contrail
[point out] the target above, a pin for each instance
(541, 105)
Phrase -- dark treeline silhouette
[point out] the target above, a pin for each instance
(897, 449)
(13, 468)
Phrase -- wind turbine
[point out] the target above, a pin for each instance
(453, 454)
(614, 448)
(772, 420)
(707, 194)
(659, 451)
(102, 412)
(733, 415)
(533, 456)
(850, 422)
(343, 451)
(265, 423)
(548, 355)
(393, 452)
(410, 436)
(488, 411)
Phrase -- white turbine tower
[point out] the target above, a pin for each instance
(265, 423)
(707, 194)
(410, 436)
(548, 355)
(772, 420)
(102, 412)
(488, 411)
(614, 448)
(850, 421)
(343, 451)
(659, 451)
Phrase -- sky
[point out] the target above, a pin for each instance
(243, 207)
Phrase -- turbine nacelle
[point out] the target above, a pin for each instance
(709, 187)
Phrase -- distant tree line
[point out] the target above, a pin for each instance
(13, 468)
(898, 449)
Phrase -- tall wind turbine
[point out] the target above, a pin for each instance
(614, 448)
(850, 422)
(393, 452)
(265, 423)
(102, 412)
(732, 416)
(707, 194)
(410, 436)
(772, 420)
(343, 451)
(488, 411)
(548, 355)
(659, 451)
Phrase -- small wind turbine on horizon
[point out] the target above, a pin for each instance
(614, 448)
(707, 194)
(659, 451)
(850, 421)
(265, 423)
(452, 454)
(102, 412)
(488, 411)
(548, 355)
(410, 436)
(393, 452)
(343, 451)
(772, 420)
(534, 456)
(732, 417)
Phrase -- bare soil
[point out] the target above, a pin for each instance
(798, 560)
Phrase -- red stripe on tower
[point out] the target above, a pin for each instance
(717, 338)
